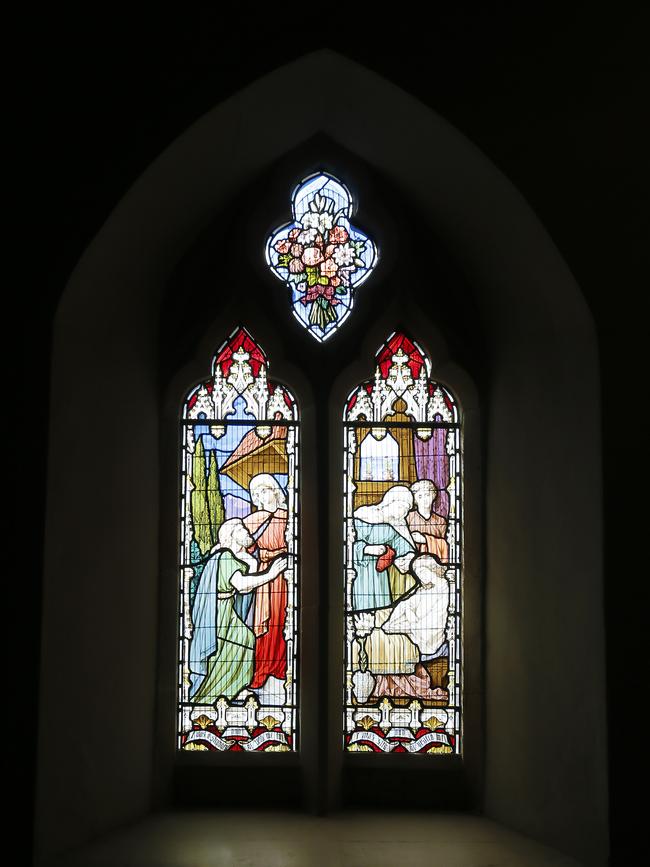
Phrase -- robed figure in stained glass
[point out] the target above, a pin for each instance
(427, 528)
(222, 649)
(268, 525)
(383, 546)
(397, 640)
(419, 620)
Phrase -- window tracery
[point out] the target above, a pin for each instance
(402, 522)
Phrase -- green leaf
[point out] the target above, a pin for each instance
(341, 290)
(283, 260)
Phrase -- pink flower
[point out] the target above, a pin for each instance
(335, 281)
(319, 240)
(312, 256)
(329, 250)
(296, 250)
(296, 266)
(293, 234)
(329, 268)
(338, 235)
(282, 246)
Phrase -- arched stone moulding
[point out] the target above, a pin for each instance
(543, 480)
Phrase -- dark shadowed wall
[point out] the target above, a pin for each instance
(554, 104)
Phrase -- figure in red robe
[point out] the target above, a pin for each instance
(269, 520)
(428, 529)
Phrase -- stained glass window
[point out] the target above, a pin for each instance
(403, 519)
(238, 558)
(320, 256)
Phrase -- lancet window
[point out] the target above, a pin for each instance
(402, 514)
(239, 558)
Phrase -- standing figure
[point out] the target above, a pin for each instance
(428, 529)
(382, 551)
(268, 525)
(222, 646)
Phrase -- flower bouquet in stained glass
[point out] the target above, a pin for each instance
(320, 256)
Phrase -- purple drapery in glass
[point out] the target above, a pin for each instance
(432, 462)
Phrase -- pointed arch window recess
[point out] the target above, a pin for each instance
(320, 256)
(403, 519)
(239, 558)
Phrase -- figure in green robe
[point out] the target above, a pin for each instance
(222, 649)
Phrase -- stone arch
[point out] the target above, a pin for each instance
(543, 606)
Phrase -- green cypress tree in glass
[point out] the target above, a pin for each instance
(215, 500)
(199, 500)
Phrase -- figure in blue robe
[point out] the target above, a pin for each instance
(371, 589)
(381, 524)
(222, 647)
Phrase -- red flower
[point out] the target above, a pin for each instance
(338, 235)
(282, 246)
(319, 291)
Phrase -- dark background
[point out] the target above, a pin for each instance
(555, 95)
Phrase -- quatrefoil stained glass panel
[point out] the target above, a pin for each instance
(320, 256)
